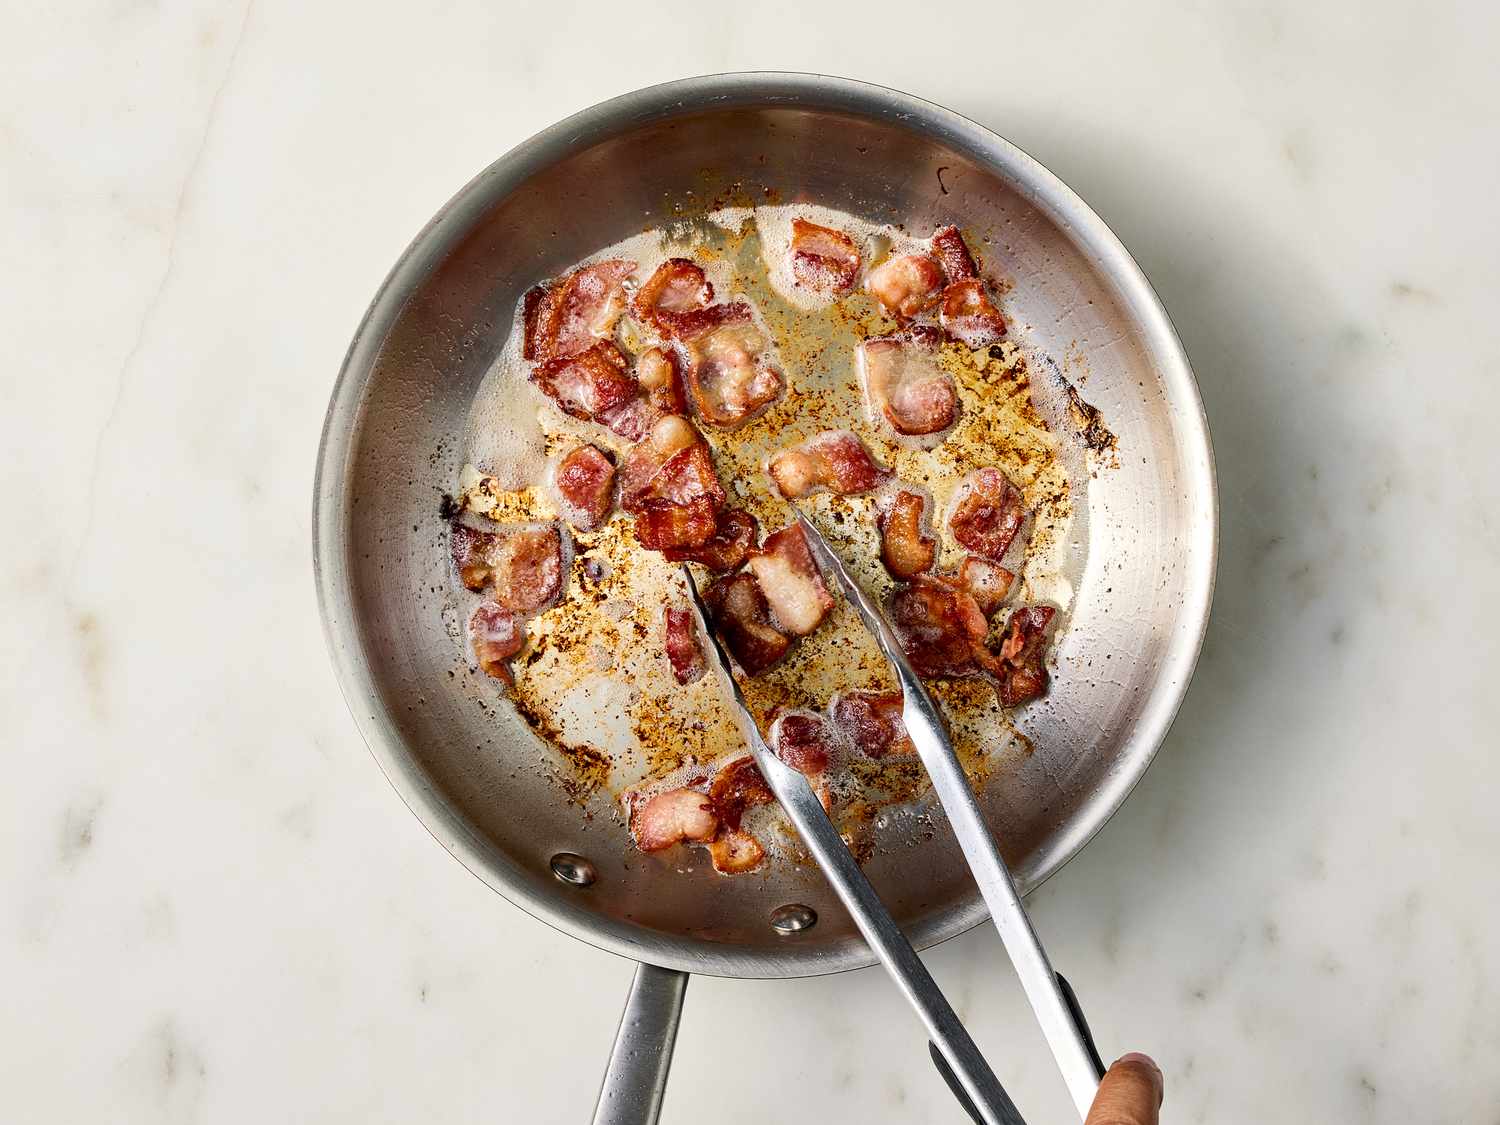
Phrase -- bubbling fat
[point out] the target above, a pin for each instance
(594, 672)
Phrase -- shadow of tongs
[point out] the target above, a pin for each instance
(953, 1051)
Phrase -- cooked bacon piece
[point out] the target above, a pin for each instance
(660, 376)
(823, 258)
(1020, 672)
(669, 483)
(872, 722)
(587, 385)
(632, 419)
(942, 627)
(496, 636)
(677, 286)
(734, 853)
(700, 322)
(988, 582)
(536, 309)
(683, 651)
(835, 460)
(905, 384)
(904, 548)
(988, 513)
(688, 475)
(744, 621)
(661, 525)
(525, 563)
(802, 740)
(473, 554)
(580, 309)
(684, 477)
(728, 547)
(671, 817)
(790, 581)
(528, 568)
(727, 376)
(953, 255)
(969, 316)
(644, 461)
(925, 407)
(738, 786)
(906, 285)
(585, 480)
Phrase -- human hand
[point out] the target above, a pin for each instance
(1130, 1094)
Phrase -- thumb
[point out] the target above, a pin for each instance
(1130, 1094)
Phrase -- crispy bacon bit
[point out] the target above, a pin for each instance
(942, 627)
(689, 475)
(835, 460)
(953, 254)
(728, 547)
(727, 376)
(524, 562)
(905, 383)
(683, 651)
(585, 480)
(988, 582)
(536, 309)
(581, 309)
(969, 316)
(802, 741)
(743, 619)
(904, 548)
(473, 554)
(695, 323)
(823, 258)
(660, 376)
(496, 636)
(684, 477)
(1020, 672)
(988, 513)
(632, 419)
(671, 817)
(738, 786)
(872, 722)
(677, 286)
(906, 285)
(645, 460)
(734, 853)
(668, 482)
(587, 385)
(790, 581)
(661, 525)
(528, 568)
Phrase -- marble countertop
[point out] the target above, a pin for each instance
(216, 909)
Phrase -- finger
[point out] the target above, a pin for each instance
(1130, 1094)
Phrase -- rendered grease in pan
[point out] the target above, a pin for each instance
(594, 680)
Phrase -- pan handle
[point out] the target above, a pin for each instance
(636, 1079)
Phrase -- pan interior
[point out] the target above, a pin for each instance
(476, 773)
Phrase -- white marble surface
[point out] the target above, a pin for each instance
(215, 908)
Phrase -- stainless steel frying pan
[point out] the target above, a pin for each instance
(391, 447)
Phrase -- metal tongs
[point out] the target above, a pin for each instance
(953, 1051)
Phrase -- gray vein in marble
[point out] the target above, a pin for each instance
(154, 302)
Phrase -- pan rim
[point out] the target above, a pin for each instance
(589, 126)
